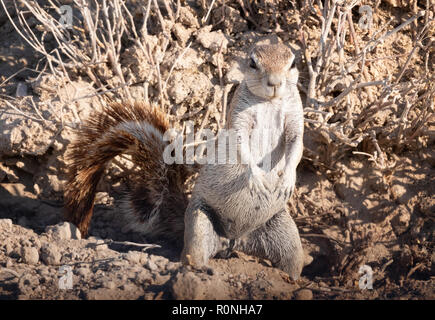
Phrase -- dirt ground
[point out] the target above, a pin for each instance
(350, 212)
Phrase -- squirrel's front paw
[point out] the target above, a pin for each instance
(285, 192)
(257, 182)
(285, 185)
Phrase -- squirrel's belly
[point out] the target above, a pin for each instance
(236, 209)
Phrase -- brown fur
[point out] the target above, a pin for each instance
(272, 58)
(99, 141)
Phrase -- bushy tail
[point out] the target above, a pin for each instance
(158, 200)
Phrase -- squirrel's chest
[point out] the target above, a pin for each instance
(267, 117)
(266, 131)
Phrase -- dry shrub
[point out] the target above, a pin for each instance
(352, 103)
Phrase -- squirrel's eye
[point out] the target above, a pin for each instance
(252, 64)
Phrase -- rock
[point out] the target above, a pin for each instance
(82, 271)
(136, 62)
(127, 287)
(262, 284)
(234, 74)
(341, 190)
(161, 262)
(307, 258)
(35, 242)
(25, 243)
(172, 266)
(400, 221)
(43, 271)
(142, 276)
(136, 257)
(100, 294)
(212, 40)
(101, 246)
(230, 18)
(54, 182)
(304, 294)
(188, 18)
(50, 254)
(182, 33)
(9, 172)
(109, 285)
(29, 255)
(191, 60)
(133, 257)
(103, 198)
(8, 248)
(161, 278)
(129, 293)
(151, 265)
(6, 224)
(9, 263)
(23, 136)
(189, 87)
(143, 257)
(427, 206)
(64, 231)
(398, 192)
(27, 282)
(187, 286)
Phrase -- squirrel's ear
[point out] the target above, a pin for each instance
(291, 62)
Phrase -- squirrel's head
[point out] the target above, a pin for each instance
(270, 71)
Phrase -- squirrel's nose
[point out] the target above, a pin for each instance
(274, 81)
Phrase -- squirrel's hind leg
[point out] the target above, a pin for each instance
(201, 242)
(278, 241)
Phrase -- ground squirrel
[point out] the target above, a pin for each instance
(234, 206)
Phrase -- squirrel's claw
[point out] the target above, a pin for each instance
(285, 186)
(285, 193)
(257, 184)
